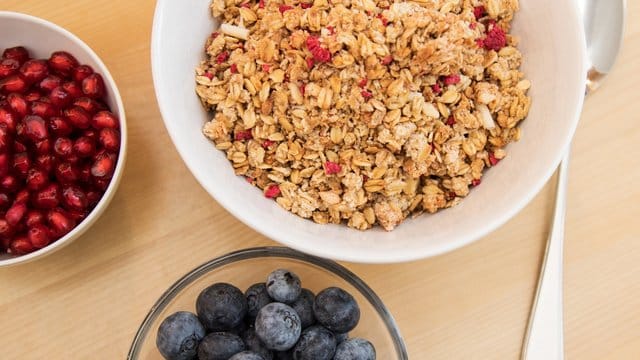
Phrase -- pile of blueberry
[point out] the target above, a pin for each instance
(276, 320)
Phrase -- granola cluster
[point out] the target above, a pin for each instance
(363, 112)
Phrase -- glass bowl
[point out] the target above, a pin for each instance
(246, 267)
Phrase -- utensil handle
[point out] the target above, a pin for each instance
(544, 339)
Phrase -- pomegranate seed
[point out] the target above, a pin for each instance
(5, 138)
(38, 235)
(43, 109)
(91, 134)
(6, 230)
(93, 197)
(18, 53)
(84, 175)
(18, 146)
(8, 118)
(89, 105)
(43, 147)
(93, 86)
(272, 191)
(5, 202)
(331, 168)
(59, 126)
(18, 104)
(59, 221)
(74, 198)
(493, 160)
(59, 97)
(63, 62)
(8, 67)
(77, 215)
(4, 164)
(21, 246)
(22, 196)
(9, 183)
(15, 213)
(49, 83)
(105, 119)
(47, 198)
(110, 139)
(475, 182)
(33, 96)
(84, 147)
(101, 184)
(21, 164)
(78, 117)
(74, 90)
(34, 70)
(63, 147)
(45, 162)
(37, 179)
(386, 60)
(103, 165)
(66, 173)
(33, 217)
(81, 72)
(13, 83)
(35, 128)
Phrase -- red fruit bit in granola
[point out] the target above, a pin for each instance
(234, 68)
(214, 35)
(436, 89)
(366, 94)
(496, 38)
(473, 25)
(320, 54)
(331, 168)
(283, 8)
(362, 83)
(493, 160)
(331, 29)
(243, 135)
(250, 180)
(267, 143)
(266, 68)
(310, 62)
(306, 5)
(384, 20)
(387, 60)
(272, 191)
(451, 79)
(261, 4)
(475, 182)
(246, 5)
(303, 88)
(451, 195)
(451, 121)
(479, 12)
(222, 57)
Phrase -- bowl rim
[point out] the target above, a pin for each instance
(269, 252)
(108, 195)
(574, 23)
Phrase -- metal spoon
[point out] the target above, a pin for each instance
(604, 25)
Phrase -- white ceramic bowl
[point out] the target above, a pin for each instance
(42, 38)
(552, 41)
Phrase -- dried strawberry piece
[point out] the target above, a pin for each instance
(476, 182)
(209, 75)
(243, 135)
(362, 83)
(493, 160)
(451, 195)
(451, 121)
(473, 25)
(303, 88)
(436, 89)
(267, 143)
(310, 62)
(250, 180)
(222, 57)
(266, 68)
(384, 20)
(496, 38)
(366, 94)
(246, 5)
(451, 79)
(387, 60)
(283, 8)
(306, 5)
(331, 168)
(234, 69)
(214, 35)
(272, 191)
(320, 54)
(479, 12)
(332, 30)
(261, 4)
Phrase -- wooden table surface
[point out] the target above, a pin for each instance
(86, 301)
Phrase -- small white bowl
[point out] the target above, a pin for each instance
(42, 38)
(553, 44)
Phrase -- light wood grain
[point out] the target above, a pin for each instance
(87, 301)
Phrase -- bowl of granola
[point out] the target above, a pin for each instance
(370, 131)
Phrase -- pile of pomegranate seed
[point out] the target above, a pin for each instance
(59, 146)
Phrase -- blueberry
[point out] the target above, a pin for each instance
(219, 346)
(304, 307)
(278, 326)
(316, 343)
(221, 307)
(246, 355)
(257, 297)
(283, 286)
(336, 310)
(284, 355)
(179, 335)
(254, 344)
(355, 349)
(342, 337)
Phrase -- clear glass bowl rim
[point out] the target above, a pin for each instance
(269, 252)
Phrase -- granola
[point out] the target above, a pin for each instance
(363, 112)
